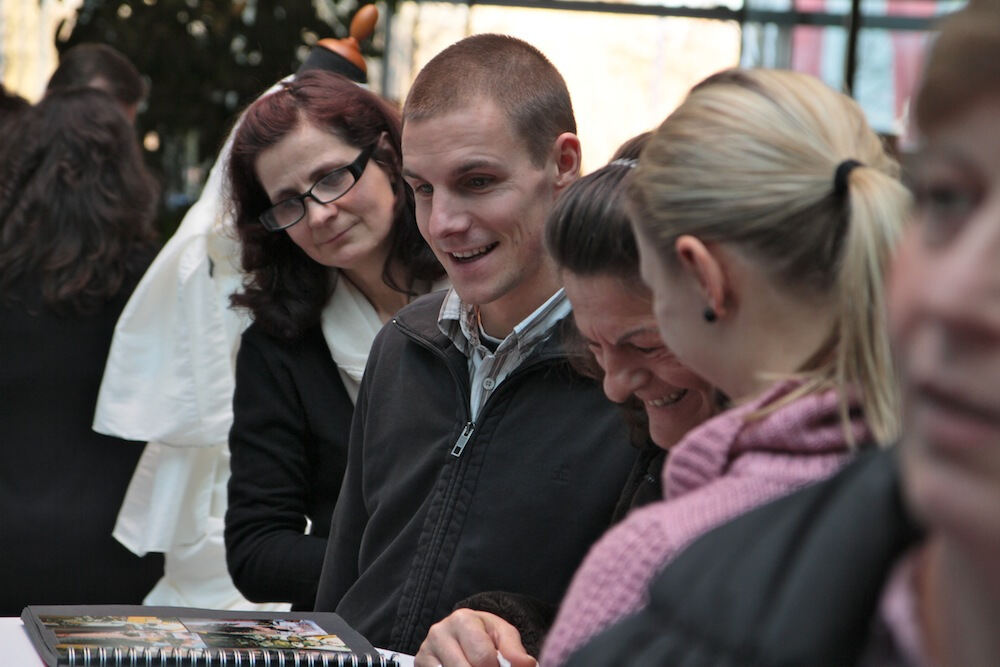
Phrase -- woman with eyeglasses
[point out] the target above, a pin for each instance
(331, 251)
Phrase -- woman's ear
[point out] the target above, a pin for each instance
(568, 159)
(705, 264)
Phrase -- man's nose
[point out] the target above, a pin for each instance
(447, 216)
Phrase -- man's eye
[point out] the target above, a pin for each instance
(422, 190)
(647, 350)
(478, 182)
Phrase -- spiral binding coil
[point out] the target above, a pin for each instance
(198, 657)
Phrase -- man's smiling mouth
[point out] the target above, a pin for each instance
(469, 255)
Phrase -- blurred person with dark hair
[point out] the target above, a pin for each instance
(76, 233)
(93, 65)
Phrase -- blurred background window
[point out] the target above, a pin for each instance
(627, 63)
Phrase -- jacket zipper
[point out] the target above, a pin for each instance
(456, 451)
(437, 530)
(470, 425)
(463, 439)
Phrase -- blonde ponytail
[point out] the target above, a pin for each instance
(750, 159)
(875, 205)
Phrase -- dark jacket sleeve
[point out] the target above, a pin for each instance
(532, 617)
(269, 556)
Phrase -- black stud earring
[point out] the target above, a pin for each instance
(709, 314)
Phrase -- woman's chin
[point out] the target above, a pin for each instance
(669, 424)
(662, 428)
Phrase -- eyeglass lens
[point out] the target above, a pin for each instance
(332, 186)
(328, 188)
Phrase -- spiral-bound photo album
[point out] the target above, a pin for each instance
(95, 635)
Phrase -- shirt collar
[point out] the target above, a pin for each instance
(460, 322)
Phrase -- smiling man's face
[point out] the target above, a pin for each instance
(481, 204)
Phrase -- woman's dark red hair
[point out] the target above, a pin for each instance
(285, 289)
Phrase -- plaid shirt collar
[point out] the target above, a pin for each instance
(460, 323)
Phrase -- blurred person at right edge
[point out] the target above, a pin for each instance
(896, 560)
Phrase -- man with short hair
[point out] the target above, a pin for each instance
(479, 460)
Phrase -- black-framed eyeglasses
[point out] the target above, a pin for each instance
(330, 187)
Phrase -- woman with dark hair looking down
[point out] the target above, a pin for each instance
(331, 251)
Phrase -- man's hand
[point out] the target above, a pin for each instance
(469, 638)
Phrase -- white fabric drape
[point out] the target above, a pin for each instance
(349, 326)
(169, 381)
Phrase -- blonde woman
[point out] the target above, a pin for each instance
(766, 212)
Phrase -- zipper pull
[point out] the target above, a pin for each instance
(456, 451)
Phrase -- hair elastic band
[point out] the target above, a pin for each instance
(624, 162)
(840, 176)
